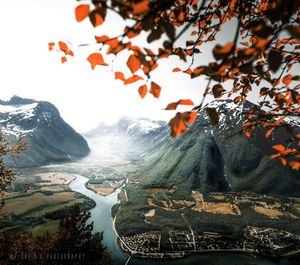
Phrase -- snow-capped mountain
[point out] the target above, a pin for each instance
(22, 112)
(129, 137)
(206, 158)
(49, 138)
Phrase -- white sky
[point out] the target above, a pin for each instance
(83, 97)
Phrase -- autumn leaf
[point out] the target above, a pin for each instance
(51, 46)
(101, 39)
(217, 90)
(174, 105)
(132, 79)
(176, 69)
(294, 165)
(82, 12)
(185, 102)
(133, 63)
(155, 89)
(269, 132)
(65, 48)
(178, 124)
(287, 79)
(97, 16)
(279, 147)
(120, 76)
(220, 52)
(237, 99)
(63, 59)
(247, 133)
(143, 91)
(141, 7)
(283, 161)
(96, 59)
(197, 71)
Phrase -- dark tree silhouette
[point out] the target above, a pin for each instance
(73, 243)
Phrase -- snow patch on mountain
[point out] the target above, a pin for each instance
(8, 114)
(143, 126)
(27, 110)
(15, 130)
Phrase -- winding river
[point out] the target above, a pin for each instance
(101, 216)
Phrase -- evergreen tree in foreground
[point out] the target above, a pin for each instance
(73, 243)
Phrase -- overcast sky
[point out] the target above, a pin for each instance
(84, 97)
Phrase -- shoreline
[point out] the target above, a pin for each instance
(127, 251)
(104, 194)
(183, 254)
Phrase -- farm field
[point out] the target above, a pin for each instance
(36, 202)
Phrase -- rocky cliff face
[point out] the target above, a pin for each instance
(218, 159)
(49, 138)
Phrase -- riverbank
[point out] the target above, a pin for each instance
(103, 221)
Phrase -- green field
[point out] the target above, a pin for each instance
(38, 203)
(41, 230)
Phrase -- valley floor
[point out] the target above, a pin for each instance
(155, 223)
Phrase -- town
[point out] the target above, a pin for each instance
(256, 240)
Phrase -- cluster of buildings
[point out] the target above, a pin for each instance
(145, 242)
(272, 240)
(268, 241)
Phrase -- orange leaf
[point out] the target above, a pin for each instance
(275, 156)
(186, 102)
(120, 76)
(69, 52)
(269, 132)
(247, 133)
(279, 147)
(219, 51)
(174, 105)
(155, 89)
(176, 69)
(97, 16)
(51, 45)
(140, 7)
(295, 165)
(188, 71)
(283, 161)
(133, 63)
(101, 39)
(197, 71)
(237, 99)
(192, 116)
(98, 20)
(96, 59)
(65, 48)
(143, 91)
(287, 79)
(178, 124)
(63, 59)
(81, 12)
(132, 79)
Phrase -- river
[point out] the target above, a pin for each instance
(101, 216)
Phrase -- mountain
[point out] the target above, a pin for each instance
(129, 137)
(49, 138)
(209, 159)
